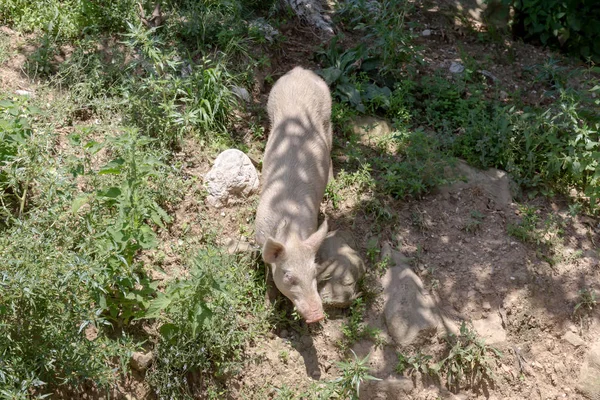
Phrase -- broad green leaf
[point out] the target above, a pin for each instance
(147, 238)
(156, 306)
(111, 193)
(330, 75)
(93, 147)
(113, 168)
(79, 202)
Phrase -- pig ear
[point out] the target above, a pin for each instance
(273, 251)
(315, 240)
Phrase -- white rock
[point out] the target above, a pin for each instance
(232, 178)
(589, 375)
(426, 32)
(24, 93)
(456, 68)
(242, 93)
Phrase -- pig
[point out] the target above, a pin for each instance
(296, 168)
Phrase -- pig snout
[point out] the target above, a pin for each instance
(312, 312)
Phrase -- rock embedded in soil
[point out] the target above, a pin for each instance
(589, 375)
(494, 182)
(141, 361)
(410, 312)
(490, 329)
(386, 389)
(371, 128)
(574, 339)
(241, 93)
(340, 268)
(456, 67)
(231, 179)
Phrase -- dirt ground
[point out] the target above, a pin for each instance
(473, 276)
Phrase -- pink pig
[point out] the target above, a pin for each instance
(296, 168)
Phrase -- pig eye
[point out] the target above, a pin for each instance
(289, 279)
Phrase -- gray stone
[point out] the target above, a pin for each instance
(371, 128)
(386, 389)
(488, 74)
(494, 182)
(426, 32)
(25, 93)
(141, 361)
(410, 312)
(241, 93)
(490, 329)
(589, 375)
(574, 339)
(232, 178)
(264, 28)
(339, 271)
(456, 67)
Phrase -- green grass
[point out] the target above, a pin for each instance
(354, 329)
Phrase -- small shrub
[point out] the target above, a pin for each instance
(417, 363)
(67, 19)
(355, 329)
(587, 301)
(570, 25)
(170, 99)
(354, 373)
(207, 320)
(16, 151)
(350, 73)
(417, 167)
(468, 360)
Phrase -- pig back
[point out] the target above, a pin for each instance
(297, 157)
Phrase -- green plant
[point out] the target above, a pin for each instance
(474, 223)
(390, 36)
(67, 19)
(16, 173)
(169, 104)
(373, 249)
(468, 359)
(354, 373)
(207, 320)
(587, 300)
(51, 324)
(526, 229)
(417, 167)
(419, 362)
(348, 74)
(126, 290)
(383, 24)
(570, 25)
(285, 393)
(382, 266)
(332, 194)
(355, 329)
